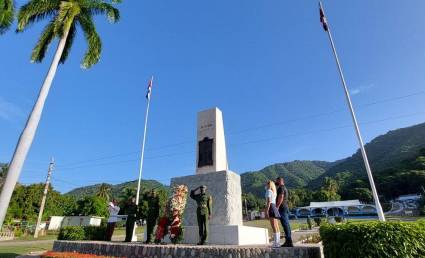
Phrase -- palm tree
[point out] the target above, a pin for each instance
(103, 191)
(65, 16)
(7, 10)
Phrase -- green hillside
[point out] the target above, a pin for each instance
(297, 174)
(384, 152)
(117, 189)
(3, 170)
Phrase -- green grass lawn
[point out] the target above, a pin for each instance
(14, 250)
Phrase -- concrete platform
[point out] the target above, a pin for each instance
(229, 235)
(179, 251)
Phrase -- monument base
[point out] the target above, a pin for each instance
(228, 235)
(119, 249)
(224, 235)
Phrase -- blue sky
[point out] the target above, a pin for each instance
(266, 64)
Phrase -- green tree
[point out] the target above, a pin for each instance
(362, 194)
(92, 206)
(65, 17)
(7, 12)
(252, 202)
(25, 203)
(324, 196)
(104, 191)
(330, 185)
(126, 194)
(3, 171)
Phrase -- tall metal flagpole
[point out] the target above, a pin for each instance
(148, 96)
(353, 116)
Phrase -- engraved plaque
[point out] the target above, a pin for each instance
(205, 155)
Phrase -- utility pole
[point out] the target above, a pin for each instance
(43, 200)
(246, 211)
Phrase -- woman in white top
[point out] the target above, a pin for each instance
(112, 220)
(272, 213)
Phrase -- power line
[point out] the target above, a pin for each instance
(312, 116)
(258, 140)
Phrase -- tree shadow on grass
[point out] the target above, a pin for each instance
(9, 255)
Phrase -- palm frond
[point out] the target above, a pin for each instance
(92, 54)
(36, 10)
(66, 14)
(7, 11)
(68, 44)
(43, 43)
(97, 7)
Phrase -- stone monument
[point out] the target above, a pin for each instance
(224, 186)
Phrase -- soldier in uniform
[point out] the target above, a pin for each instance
(152, 215)
(132, 213)
(203, 212)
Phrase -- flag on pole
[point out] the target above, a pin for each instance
(148, 93)
(323, 19)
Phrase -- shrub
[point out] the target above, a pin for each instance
(82, 233)
(95, 233)
(309, 223)
(71, 233)
(339, 219)
(318, 221)
(374, 239)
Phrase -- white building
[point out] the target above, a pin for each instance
(56, 222)
(336, 208)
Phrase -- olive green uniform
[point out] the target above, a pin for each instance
(202, 213)
(131, 211)
(152, 217)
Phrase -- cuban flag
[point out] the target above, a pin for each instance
(148, 93)
(323, 19)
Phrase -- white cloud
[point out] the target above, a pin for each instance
(9, 111)
(361, 89)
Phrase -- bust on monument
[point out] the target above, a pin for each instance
(224, 187)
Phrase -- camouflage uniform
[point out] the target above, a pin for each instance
(152, 216)
(203, 212)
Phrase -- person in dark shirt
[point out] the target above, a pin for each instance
(282, 205)
(203, 212)
(132, 212)
(152, 216)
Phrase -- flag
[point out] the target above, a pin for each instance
(323, 19)
(148, 93)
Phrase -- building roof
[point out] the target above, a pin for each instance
(334, 204)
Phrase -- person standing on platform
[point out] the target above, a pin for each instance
(152, 215)
(272, 213)
(203, 212)
(131, 212)
(112, 220)
(282, 205)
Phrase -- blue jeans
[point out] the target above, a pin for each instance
(284, 219)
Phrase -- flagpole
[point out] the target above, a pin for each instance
(353, 116)
(143, 144)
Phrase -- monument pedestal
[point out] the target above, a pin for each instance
(228, 235)
(225, 226)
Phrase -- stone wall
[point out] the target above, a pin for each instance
(179, 251)
(225, 190)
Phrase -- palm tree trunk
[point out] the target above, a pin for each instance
(27, 135)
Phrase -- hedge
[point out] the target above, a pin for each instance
(82, 233)
(374, 239)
